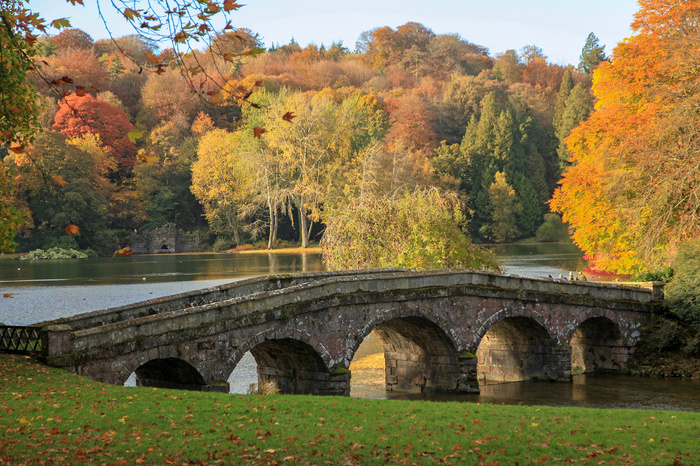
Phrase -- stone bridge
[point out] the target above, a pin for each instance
(441, 330)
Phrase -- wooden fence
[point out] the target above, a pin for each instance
(15, 339)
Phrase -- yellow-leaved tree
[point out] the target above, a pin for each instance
(221, 181)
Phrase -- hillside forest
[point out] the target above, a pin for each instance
(318, 128)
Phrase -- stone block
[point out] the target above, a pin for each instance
(56, 340)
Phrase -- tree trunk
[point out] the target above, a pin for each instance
(232, 219)
(236, 234)
(307, 235)
(272, 237)
(304, 235)
(277, 224)
(302, 221)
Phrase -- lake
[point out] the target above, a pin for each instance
(44, 290)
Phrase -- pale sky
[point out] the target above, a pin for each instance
(559, 27)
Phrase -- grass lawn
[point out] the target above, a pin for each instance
(55, 417)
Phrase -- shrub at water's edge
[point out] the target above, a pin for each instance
(683, 292)
(670, 344)
(54, 253)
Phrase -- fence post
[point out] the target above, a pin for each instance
(55, 340)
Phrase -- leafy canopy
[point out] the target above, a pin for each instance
(419, 230)
(632, 194)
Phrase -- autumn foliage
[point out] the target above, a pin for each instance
(246, 143)
(80, 115)
(633, 192)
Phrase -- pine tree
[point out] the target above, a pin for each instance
(577, 106)
(592, 54)
(116, 68)
(567, 83)
(529, 217)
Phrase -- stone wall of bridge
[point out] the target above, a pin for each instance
(304, 336)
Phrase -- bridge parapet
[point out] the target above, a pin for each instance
(312, 291)
(196, 298)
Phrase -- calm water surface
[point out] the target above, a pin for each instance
(45, 290)
(540, 260)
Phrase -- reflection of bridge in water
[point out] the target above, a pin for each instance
(304, 329)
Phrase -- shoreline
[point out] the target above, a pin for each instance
(313, 250)
(297, 250)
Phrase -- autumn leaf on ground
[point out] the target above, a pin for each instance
(289, 116)
(72, 230)
(257, 132)
(59, 180)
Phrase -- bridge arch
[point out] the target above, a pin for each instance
(518, 347)
(505, 313)
(169, 373)
(418, 352)
(597, 344)
(156, 364)
(291, 362)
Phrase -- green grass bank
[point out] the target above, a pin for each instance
(49, 416)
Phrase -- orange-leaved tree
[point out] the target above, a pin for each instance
(79, 116)
(633, 191)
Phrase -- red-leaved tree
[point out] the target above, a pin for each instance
(79, 115)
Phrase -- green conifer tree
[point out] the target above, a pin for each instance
(592, 54)
(116, 68)
(567, 83)
(577, 107)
